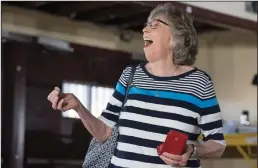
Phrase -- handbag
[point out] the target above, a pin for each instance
(99, 154)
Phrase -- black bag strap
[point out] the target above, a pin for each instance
(129, 84)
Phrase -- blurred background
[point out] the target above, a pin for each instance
(82, 47)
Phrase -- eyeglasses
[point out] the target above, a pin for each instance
(155, 23)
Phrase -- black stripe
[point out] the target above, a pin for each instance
(210, 110)
(118, 96)
(138, 141)
(193, 163)
(165, 101)
(138, 157)
(163, 115)
(153, 128)
(109, 116)
(113, 108)
(114, 166)
(150, 159)
(211, 125)
(218, 137)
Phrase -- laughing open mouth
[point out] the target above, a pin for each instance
(147, 42)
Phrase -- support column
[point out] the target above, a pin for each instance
(14, 99)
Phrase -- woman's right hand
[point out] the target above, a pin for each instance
(63, 101)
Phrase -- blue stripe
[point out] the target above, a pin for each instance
(176, 96)
(120, 88)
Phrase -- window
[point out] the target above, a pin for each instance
(251, 7)
(99, 99)
(94, 98)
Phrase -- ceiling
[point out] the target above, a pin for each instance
(122, 14)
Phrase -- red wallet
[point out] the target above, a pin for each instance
(174, 144)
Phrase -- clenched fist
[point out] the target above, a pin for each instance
(63, 102)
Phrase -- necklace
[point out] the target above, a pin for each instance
(157, 93)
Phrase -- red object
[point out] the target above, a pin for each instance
(174, 144)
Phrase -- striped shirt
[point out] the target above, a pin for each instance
(156, 105)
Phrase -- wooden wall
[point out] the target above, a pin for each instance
(45, 69)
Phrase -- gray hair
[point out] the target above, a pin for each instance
(184, 35)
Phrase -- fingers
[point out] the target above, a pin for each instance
(60, 105)
(173, 160)
(172, 157)
(167, 161)
(54, 97)
(57, 89)
(61, 95)
(61, 101)
(54, 102)
(53, 94)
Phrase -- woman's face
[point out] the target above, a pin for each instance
(157, 39)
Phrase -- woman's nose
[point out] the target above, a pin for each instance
(146, 29)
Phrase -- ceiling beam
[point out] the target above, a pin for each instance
(118, 11)
(68, 8)
(27, 4)
(38, 3)
(208, 16)
(37, 24)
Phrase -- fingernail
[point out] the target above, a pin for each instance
(57, 89)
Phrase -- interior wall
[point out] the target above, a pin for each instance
(236, 9)
(230, 58)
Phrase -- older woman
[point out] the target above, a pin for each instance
(167, 93)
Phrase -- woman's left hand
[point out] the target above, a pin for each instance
(177, 160)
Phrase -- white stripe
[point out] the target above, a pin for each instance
(115, 102)
(209, 92)
(191, 84)
(197, 79)
(213, 131)
(182, 88)
(123, 81)
(110, 112)
(137, 149)
(210, 118)
(196, 76)
(146, 135)
(192, 142)
(135, 164)
(223, 142)
(162, 108)
(142, 134)
(178, 82)
(109, 123)
(166, 88)
(200, 73)
(174, 83)
(160, 122)
(207, 96)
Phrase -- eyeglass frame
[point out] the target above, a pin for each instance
(149, 24)
(187, 40)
